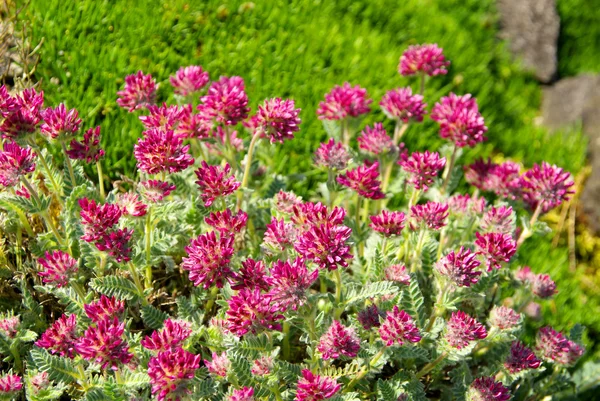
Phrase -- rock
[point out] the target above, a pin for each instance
(531, 28)
(590, 196)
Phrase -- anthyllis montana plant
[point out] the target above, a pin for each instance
(201, 278)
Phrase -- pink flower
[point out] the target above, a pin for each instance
(8, 104)
(252, 275)
(10, 384)
(369, 317)
(104, 308)
(161, 150)
(504, 318)
(104, 344)
(262, 366)
(463, 205)
(96, 219)
(139, 92)
(285, 201)
(279, 236)
(546, 185)
(88, 150)
(431, 215)
(215, 181)
(227, 100)
(344, 101)
(59, 122)
(117, 244)
(252, 312)
(10, 326)
(423, 59)
(310, 214)
(459, 267)
(219, 365)
(520, 358)
(388, 223)
(460, 120)
(339, 340)
(502, 179)
(25, 119)
(164, 117)
(192, 125)
(155, 191)
(131, 204)
(225, 141)
(399, 328)
(15, 162)
(60, 338)
(461, 329)
(486, 389)
(40, 381)
(495, 248)
(277, 119)
(332, 155)
(227, 223)
(170, 337)
(553, 346)
(243, 394)
(171, 372)
(400, 104)
(326, 246)
(57, 268)
(423, 168)
(290, 282)
(189, 80)
(312, 387)
(542, 286)
(208, 259)
(525, 275)
(364, 180)
(498, 220)
(397, 273)
(375, 140)
(533, 310)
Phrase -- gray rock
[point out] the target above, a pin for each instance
(590, 197)
(531, 28)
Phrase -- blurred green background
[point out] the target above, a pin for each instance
(300, 49)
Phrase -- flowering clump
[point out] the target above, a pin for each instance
(227, 223)
(486, 389)
(88, 150)
(214, 182)
(553, 346)
(208, 259)
(462, 329)
(243, 394)
(364, 180)
(397, 273)
(10, 384)
(161, 150)
(277, 119)
(139, 92)
(57, 268)
(504, 318)
(290, 282)
(170, 372)
(339, 340)
(252, 275)
(459, 120)
(326, 246)
(104, 308)
(155, 191)
(189, 80)
(61, 337)
(400, 104)
(226, 100)
(343, 102)
(219, 365)
(546, 186)
(459, 267)
(423, 59)
(423, 168)
(104, 344)
(388, 223)
(495, 248)
(375, 140)
(431, 215)
(251, 312)
(521, 358)
(60, 123)
(332, 155)
(15, 162)
(399, 328)
(312, 387)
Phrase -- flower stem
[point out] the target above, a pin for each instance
(69, 165)
(44, 214)
(211, 300)
(49, 174)
(526, 231)
(448, 171)
(429, 367)
(365, 370)
(78, 289)
(148, 229)
(422, 87)
(138, 283)
(286, 340)
(338, 293)
(345, 133)
(246, 175)
(414, 198)
(100, 181)
(399, 131)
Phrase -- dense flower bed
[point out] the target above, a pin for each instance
(201, 279)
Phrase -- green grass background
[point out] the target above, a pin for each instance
(300, 49)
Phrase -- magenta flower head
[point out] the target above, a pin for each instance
(502, 179)
(227, 223)
(364, 180)
(60, 122)
(242, 394)
(96, 219)
(170, 337)
(15, 162)
(400, 104)
(397, 273)
(117, 244)
(463, 205)
(289, 283)
(60, 338)
(498, 220)
(277, 119)
(164, 117)
(520, 358)
(460, 120)
(332, 155)
(553, 346)
(504, 318)
(343, 102)
(312, 387)
(399, 328)
(375, 140)
(10, 326)
(461, 329)
(542, 286)
(495, 248)
(486, 389)
(423, 168)
(208, 259)
(252, 312)
(431, 215)
(25, 119)
(215, 181)
(339, 340)
(546, 186)
(423, 59)
(219, 365)
(170, 373)
(459, 267)
(161, 150)
(190, 125)
(57, 268)
(252, 274)
(155, 191)
(139, 92)
(104, 308)
(388, 223)
(279, 236)
(8, 104)
(285, 201)
(131, 205)
(326, 246)
(10, 384)
(227, 100)
(88, 150)
(262, 366)
(189, 80)
(369, 317)
(104, 344)
(310, 214)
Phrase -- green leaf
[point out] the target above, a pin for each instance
(115, 286)
(412, 301)
(31, 205)
(461, 379)
(59, 369)
(251, 347)
(357, 293)
(385, 391)
(153, 317)
(240, 368)
(412, 352)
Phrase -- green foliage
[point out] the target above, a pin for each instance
(59, 369)
(115, 286)
(152, 317)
